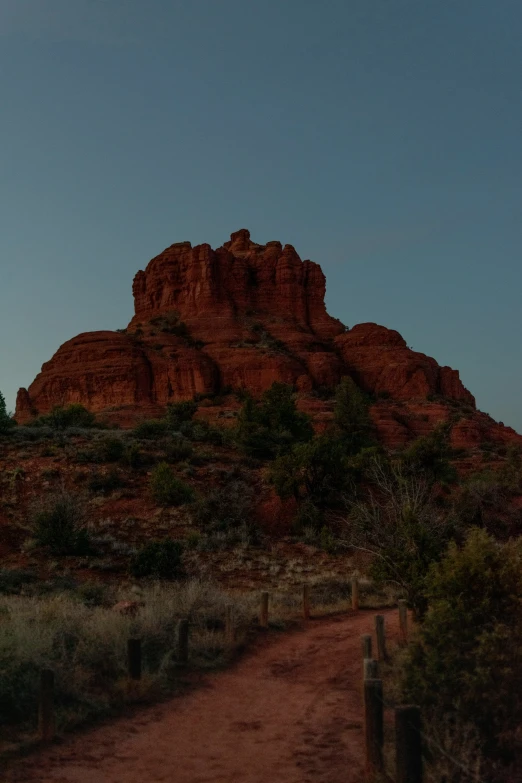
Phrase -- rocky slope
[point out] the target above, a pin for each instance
(241, 317)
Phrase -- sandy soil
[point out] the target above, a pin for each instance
(289, 712)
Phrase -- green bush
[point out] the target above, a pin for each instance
(109, 449)
(63, 417)
(465, 663)
(272, 425)
(170, 323)
(202, 432)
(352, 416)
(6, 421)
(430, 455)
(132, 456)
(150, 429)
(159, 559)
(166, 489)
(178, 412)
(317, 471)
(178, 450)
(59, 523)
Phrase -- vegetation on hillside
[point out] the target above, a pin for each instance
(447, 543)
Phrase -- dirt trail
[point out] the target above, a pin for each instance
(290, 712)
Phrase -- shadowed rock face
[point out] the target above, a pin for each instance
(242, 316)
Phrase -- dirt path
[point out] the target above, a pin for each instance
(291, 712)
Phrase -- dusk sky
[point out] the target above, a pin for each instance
(381, 138)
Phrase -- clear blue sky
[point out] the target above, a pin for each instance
(382, 138)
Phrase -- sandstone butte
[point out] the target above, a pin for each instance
(241, 317)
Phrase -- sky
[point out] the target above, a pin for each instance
(381, 138)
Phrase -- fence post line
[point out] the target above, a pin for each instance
(371, 669)
(366, 643)
(263, 617)
(183, 641)
(134, 658)
(46, 723)
(306, 602)
(381, 639)
(373, 727)
(403, 621)
(408, 745)
(355, 594)
(229, 628)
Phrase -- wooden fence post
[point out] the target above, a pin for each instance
(408, 745)
(306, 602)
(403, 621)
(381, 639)
(373, 727)
(263, 617)
(371, 669)
(355, 594)
(46, 723)
(183, 641)
(229, 627)
(366, 643)
(134, 658)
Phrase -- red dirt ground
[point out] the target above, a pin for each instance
(289, 712)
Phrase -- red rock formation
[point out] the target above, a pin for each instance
(380, 361)
(243, 316)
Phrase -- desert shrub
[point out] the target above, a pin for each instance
(105, 449)
(482, 501)
(170, 323)
(398, 521)
(6, 421)
(132, 456)
(62, 417)
(178, 412)
(105, 482)
(271, 426)
(158, 559)
(93, 594)
(352, 416)
(109, 449)
(178, 450)
(465, 663)
(511, 472)
(59, 523)
(167, 489)
(431, 455)
(226, 507)
(28, 434)
(202, 432)
(317, 471)
(150, 429)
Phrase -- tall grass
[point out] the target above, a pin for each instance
(86, 646)
(83, 639)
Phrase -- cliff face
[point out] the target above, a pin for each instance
(241, 317)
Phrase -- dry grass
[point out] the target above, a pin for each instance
(86, 644)
(86, 647)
